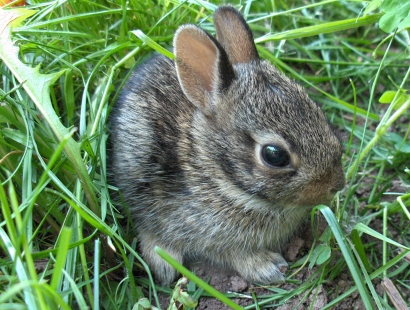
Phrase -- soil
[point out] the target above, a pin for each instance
(228, 281)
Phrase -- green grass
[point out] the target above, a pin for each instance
(55, 201)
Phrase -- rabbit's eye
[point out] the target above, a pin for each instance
(275, 156)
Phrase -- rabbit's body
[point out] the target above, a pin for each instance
(220, 156)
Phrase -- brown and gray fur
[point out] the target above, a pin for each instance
(186, 141)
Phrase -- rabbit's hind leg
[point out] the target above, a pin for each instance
(163, 271)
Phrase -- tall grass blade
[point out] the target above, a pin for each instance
(164, 255)
(347, 254)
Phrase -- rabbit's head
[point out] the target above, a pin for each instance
(254, 127)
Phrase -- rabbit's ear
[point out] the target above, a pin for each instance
(202, 65)
(235, 36)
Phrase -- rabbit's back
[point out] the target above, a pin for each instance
(149, 118)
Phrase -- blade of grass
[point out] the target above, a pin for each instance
(25, 269)
(69, 18)
(62, 249)
(384, 124)
(37, 87)
(97, 247)
(360, 249)
(89, 216)
(322, 28)
(376, 297)
(21, 272)
(363, 228)
(76, 288)
(155, 46)
(347, 254)
(373, 275)
(165, 256)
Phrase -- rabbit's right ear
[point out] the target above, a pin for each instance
(202, 65)
(235, 36)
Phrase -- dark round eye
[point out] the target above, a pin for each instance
(275, 156)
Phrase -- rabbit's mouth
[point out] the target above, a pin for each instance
(321, 190)
(317, 194)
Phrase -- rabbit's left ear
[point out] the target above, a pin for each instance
(203, 67)
(235, 36)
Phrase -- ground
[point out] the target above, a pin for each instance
(226, 281)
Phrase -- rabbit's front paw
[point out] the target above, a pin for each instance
(263, 267)
(164, 272)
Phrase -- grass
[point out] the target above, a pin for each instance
(62, 241)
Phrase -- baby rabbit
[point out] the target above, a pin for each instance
(218, 155)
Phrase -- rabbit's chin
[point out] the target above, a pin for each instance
(305, 201)
(302, 200)
(311, 202)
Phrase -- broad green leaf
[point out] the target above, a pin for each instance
(388, 96)
(396, 11)
(144, 304)
(323, 255)
(320, 255)
(405, 23)
(36, 84)
(180, 295)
